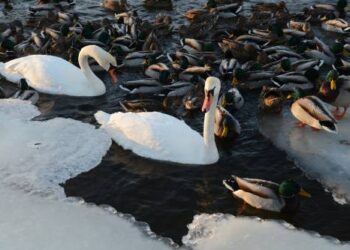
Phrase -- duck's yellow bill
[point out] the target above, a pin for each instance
(235, 81)
(333, 85)
(303, 193)
(224, 131)
(223, 101)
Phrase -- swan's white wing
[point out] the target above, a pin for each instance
(258, 202)
(49, 74)
(157, 136)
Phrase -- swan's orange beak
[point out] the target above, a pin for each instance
(113, 74)
(206, 103)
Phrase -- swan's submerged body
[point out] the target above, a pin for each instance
(53, 75)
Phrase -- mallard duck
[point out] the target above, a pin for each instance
(192, 14)
(142, 105)
(201, 28)
(158, 4)
(310, 110)
(289, 81)
(24, 93)
(323, 52)
(179, 89)
(252, 79)
(151, 43)
(115, 5)
(271, 99)
(228, 66)
(342, 66)
(300, 26)
(336, 91)
(238, 50)
(159, 72)
(162, 25)
(147, 86)
(270, 7)
(321, 10)
(140, 58)
(178, 62)
(267, 195)
(192, 102)
(337, 25)
(192, 59)
(194, 46)
(226, 125)
(198, 70)
(231, 100)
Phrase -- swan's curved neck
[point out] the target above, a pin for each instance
(93, 81)
(208, 128)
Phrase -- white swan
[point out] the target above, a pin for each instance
(162, 137)
(53, 75)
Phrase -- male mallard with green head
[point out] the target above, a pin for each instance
(267, 195)
(336, 91)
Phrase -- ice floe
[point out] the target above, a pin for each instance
(36, 223)
(36, 156)
(323, 156)
(227, 232)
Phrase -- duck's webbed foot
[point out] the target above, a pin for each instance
(339, 115)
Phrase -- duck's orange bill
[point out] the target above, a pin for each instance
(206, 104)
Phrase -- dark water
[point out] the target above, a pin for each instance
(167, 196)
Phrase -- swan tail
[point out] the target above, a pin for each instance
(8, 73)
(102, 117)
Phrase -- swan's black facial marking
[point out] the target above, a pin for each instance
(210, 93)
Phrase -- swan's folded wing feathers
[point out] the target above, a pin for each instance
(157, 136)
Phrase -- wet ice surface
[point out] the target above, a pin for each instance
(323, 156)
(226, 232)
(35, 223)
(36, 156)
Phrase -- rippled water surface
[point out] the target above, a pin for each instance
(167, 196)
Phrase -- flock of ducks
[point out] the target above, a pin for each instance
(224, 49)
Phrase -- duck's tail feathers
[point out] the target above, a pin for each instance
(231, 184)
(329, 126)
(2, 70)
(102, 117)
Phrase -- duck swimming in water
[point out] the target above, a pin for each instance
(267, 195)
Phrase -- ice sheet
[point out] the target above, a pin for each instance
(36, 156)
(227, 232)
(36, 223)
(323, 156)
